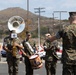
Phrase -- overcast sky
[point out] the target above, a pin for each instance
(49, 5)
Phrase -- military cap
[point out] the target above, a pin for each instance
(47, 34)
(72, 13)
(28, 33)
(13, 31)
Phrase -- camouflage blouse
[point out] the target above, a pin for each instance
(69, 44)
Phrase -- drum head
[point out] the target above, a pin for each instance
(33, 56)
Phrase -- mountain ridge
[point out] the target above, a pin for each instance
(49, 23)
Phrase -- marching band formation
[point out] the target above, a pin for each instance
(32, 59)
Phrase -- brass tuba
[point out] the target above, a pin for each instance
(16, 23)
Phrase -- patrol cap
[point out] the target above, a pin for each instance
(72, 13)
(12, 31)
(47, 34)
(28, 33)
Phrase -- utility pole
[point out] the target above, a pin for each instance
(60, 16)
(39, 12)
(53, 21)
(27, 13)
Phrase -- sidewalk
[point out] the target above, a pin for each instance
(3, 60)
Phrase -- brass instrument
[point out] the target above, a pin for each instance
(14, 49)
(16, 23)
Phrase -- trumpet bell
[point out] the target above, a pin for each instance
(16, 23)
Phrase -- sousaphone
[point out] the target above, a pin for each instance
(16, 23)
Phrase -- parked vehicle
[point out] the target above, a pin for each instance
(3, 53)
(59, 52)
(41, 52)
(21, 58)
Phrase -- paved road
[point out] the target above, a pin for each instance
(41, 71)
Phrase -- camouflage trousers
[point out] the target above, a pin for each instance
(69, 69)
(28, 67)
(13, 65)
(50, 68)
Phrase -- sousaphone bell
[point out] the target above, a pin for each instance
(16, 23)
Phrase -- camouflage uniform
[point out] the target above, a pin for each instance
(29, 70)
(12, 61)
(69, 49)
(50, 58)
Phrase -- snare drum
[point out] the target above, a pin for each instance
(36, 62)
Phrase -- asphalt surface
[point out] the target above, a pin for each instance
(41, 71)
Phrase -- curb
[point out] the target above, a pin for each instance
(1, 62)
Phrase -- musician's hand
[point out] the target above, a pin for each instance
(15, 44)
(18, 45)
(28, 56)
(23, 52)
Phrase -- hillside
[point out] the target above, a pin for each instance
(9, 12)
(32, 20)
